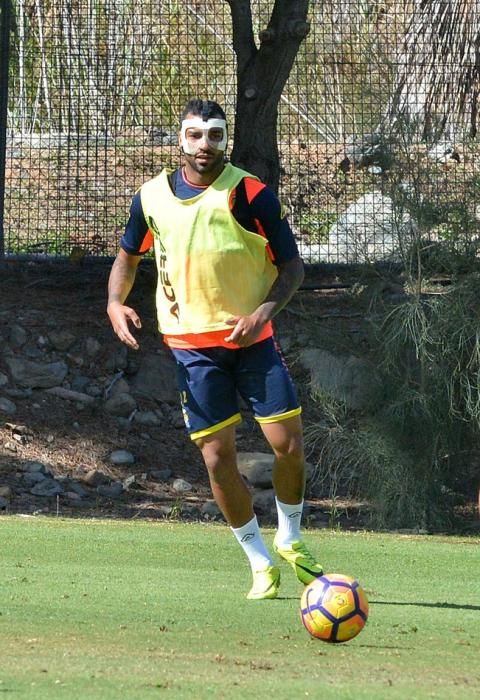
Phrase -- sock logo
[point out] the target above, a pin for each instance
(297, 514)
(249, 536)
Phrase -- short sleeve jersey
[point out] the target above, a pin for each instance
(254, 205)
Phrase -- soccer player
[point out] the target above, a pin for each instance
(227, 264)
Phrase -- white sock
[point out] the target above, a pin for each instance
(289, 519)
(250, 539)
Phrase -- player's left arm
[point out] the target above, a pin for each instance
(246, 329)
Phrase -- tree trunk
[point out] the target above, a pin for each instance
(261, 76)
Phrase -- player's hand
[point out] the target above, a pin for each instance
(120, 317)
(246, 330)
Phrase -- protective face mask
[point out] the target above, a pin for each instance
(195, 133)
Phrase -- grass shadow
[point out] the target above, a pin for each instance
(451, 606)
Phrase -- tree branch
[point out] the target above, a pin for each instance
(243, 38)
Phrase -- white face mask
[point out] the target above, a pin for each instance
(195, 133)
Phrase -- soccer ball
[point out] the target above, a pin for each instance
(334, 608)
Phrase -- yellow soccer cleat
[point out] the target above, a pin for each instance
(265, 584)
(301, 560)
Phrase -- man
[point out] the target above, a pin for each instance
(227, 264)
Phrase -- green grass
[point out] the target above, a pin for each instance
(134, 610)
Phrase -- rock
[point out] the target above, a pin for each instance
(118, 360)
(161, 137)
(367, 150)
(132, 367)
(77, 489)
(3, 379)
(147, 418)
(257, 467)
(47, 487)
(346, 378)
(92, 347)
(79, 383)
(7, 406)
(94, 389)
(119, 386)
(264, 501)
(42, 342)
(5, 492)
(76, 359)
(18, 336)
(32, 352)
(370, 229)
(443, 151)
(96, 478)
(3, 503)
(155, 378)
(61, 340)
(121, 405)
(30, 479)
(121, 457)
(35, 375)
(11, 446)
(181, 486)
(35, 467)
(129, 481)
(113, 490)
(18, 393)
(72, 496)
(210, 510)
(80, 399)
(160, 474)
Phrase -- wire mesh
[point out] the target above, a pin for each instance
(376, 124)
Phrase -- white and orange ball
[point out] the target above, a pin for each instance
(334, 608)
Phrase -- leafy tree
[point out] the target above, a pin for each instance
(437, 84)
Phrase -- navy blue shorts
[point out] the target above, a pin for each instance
(210, 379)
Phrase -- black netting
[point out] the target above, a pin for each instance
(376, 126)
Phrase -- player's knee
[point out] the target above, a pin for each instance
(290, 450)
(219, 459)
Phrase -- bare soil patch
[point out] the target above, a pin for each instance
(71, 440)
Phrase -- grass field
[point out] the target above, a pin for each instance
(139, 610)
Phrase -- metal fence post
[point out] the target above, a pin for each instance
(5, 19)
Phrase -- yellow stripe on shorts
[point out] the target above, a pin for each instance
(233, 420)
(279, 416)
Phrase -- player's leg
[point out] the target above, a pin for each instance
(265, 383)
(234, 500)
(209, 404)
(288, 476)
(285, 438)
(228, 488)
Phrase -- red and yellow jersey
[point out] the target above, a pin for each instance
(210, 268)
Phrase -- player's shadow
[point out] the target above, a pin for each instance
(450, 606)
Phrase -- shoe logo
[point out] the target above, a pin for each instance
(297, 514)
(249, 536)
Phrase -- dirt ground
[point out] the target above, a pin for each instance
(72, 440)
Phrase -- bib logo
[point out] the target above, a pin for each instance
(162, 271)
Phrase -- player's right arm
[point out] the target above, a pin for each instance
(120, 282)
(135, 242)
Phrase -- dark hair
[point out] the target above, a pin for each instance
(206, 109)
